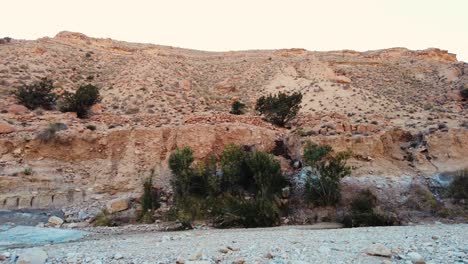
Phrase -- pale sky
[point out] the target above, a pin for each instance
(222, 25)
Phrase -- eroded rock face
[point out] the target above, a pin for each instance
(75, 166)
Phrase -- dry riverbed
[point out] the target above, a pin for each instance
(435, 243)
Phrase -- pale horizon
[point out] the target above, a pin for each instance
(211, 25)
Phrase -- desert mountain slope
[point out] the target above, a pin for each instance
(397, 85)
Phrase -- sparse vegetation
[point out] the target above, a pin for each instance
(322, 188)
(91, 127)
(363, 212)
(80, 101)
(104, 218)
(464, 93)
(38, 94)
(149, 200)
(237, 108)
(48, 133)
(280, 108)
(28, 171)
(458, 189)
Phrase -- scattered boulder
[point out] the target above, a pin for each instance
(117, 205)
(6, 128)
(33, 256)
(378, 250)
(17, 109)
(55, 220)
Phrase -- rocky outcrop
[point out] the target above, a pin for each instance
(75, 167)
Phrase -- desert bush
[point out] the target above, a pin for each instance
(237, 108)
(28, 171)
(458, 189)
(104, 218)
(149, 200)
(38, 94)
(464, 93)
(280, 108)
(80, 101)
(322, 188)
(91, 127)
(48, 133)
(363, 212)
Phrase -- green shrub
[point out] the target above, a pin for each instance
(280, 108)
(259, 212)
(322, 188)
(266, 172)
(458, 189)
(28, 171)
(464, 93)
(363, 212)
(104, 218)
(237, 108)
(149, 200)
(48, 133)
(38, 94)
(236, 175)
(91, 127)
(80, 101)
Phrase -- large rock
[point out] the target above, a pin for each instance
(6, 128)
(17, 109)
(32, 256)
(55, 220)
(117, 205)
(378, 250)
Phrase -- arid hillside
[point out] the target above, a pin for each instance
(402, 87)
(400, 111)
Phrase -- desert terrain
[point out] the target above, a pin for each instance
(400, 112)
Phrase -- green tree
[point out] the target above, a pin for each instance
(279, 108)
(237, 108)
(38, 94)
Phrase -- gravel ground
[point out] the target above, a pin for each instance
(436, 243)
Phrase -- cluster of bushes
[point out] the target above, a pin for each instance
(241, 188)
(40, 95)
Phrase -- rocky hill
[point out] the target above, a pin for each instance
(398, 110)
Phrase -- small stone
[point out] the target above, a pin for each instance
(378, 250)
(55, 220)
(197, 255)
(416, 258)
(224, 250)
(118, 256)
